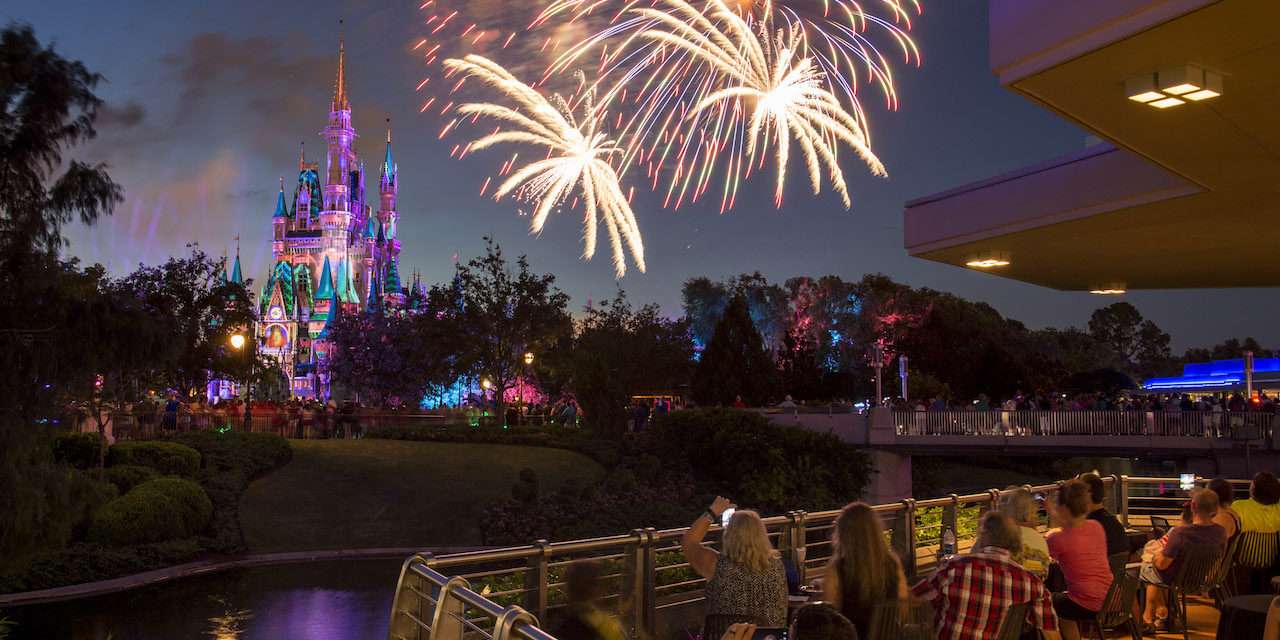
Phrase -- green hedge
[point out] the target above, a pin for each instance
(605, 452)
(193, 502)
(128, 476)
(154, 511)
(79, 450)
(136, 518)
(169, 458)
(86, 562)
(231, 461)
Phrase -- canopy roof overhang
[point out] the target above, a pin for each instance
(1175, 198)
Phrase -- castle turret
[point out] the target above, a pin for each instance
(279, 223)
(388, 191)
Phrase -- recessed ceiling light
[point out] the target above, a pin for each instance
(987, 263)
(1142, 88)
(1212, 88)
(1165, 103)
(1181, 79)
(1107, 292)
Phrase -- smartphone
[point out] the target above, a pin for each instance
(770, 633)
(1186, 481)
(724, 521)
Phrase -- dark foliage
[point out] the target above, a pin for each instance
(230, 462)
(79, 450)
(735, 362)
(663, 478)
(128, 476)
(169, 458)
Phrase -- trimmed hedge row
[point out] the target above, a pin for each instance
(79, 450)
(154, 511)
(169, 458)
(128, 476)
(231, 461)
(605, 452)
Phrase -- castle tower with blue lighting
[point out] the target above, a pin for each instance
(334, 250)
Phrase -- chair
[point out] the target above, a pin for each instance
(1118, 562)
(902, 620)
(1195, 570)
(1256, 550)
(1015, 618)
(1117, 608)
(1221, 586)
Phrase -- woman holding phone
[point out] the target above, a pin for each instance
(746, 582)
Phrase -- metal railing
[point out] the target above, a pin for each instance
(429, 604)
(649, 577)
(1193, 424)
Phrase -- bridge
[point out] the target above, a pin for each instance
(1211, 443)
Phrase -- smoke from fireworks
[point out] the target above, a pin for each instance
(577, 162)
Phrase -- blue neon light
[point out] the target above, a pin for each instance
(1213, 375)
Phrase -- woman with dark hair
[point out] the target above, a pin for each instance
(1261, 511)
(863, 571)
(1227, 518)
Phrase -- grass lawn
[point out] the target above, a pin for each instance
(346, 494)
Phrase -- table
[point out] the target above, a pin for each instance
(1244, 617)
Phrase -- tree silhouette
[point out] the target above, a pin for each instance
(735, 361)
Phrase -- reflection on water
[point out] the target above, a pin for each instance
(329, 600)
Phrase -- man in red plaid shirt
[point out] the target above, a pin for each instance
(971, 593)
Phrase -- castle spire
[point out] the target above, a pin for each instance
(340, 85)
(281, 211)
(388, 164)
(302, 156)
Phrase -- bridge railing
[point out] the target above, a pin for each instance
(1192, 424)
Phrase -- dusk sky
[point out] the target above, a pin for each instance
(209, 100)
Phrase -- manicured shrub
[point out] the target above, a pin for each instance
(193, 502)
(138, 517)
(128, 476)
(79, 450)
(169, 458)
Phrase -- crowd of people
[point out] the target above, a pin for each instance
(1062, 579)
(1129, 401)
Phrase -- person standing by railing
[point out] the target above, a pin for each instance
(746, 582)
(863, 571)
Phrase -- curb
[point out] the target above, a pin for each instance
(206, 567)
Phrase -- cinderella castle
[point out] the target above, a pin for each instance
(335, 249)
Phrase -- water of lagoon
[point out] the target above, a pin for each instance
(329, 600)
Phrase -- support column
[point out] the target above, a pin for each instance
(890, 479)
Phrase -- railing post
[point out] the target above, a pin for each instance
(904, 536)
(797, 541)
(1115, 493)
(1123, 490)
(951, 519)
(640, 576)
(536, 580)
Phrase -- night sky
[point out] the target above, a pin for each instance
(209, 100)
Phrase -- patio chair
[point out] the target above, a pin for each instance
(1192, 578)
(902, 620)
(1221, 586)
(1015, 619)
(1117, 608)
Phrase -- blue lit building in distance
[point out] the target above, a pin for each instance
(1219, 376)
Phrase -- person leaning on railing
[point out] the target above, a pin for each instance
(863, 571)
(746, 582)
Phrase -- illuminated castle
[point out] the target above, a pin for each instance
(334, 251)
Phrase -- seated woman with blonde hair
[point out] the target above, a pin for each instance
(747, 581)
(1021, 506)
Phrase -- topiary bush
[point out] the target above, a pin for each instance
(169, 458)
(137, 518)
(128, 476)
(194, 503)
(79, 450)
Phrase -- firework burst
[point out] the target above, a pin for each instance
(578, 157)
(770, 86)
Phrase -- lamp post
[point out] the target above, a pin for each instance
(485, 385)
(238, 342)
(528, 362)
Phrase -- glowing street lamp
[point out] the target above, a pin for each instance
(528, 358)
(238, 342)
